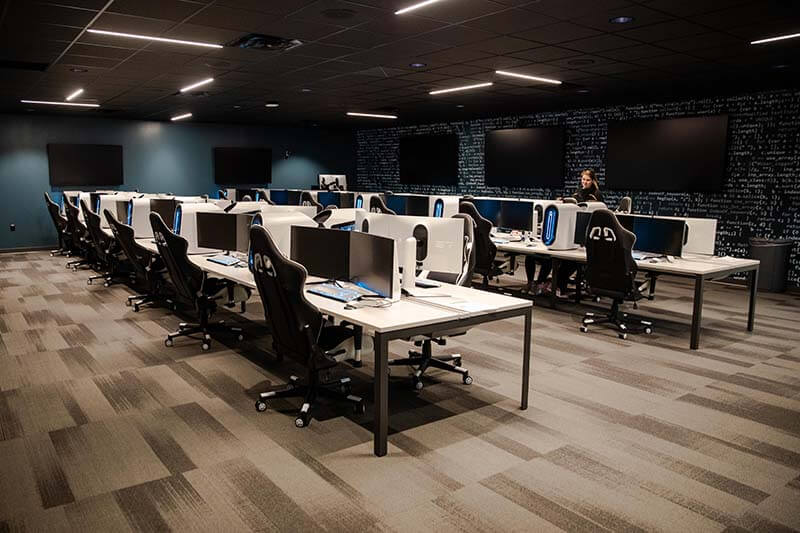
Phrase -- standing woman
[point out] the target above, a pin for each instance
(589, 190)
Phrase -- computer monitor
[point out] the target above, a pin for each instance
(372, 262)
(279, 197)
(342, 200)
(581, 225)
(516, 215)
(323, 252)
(408, 204)
(164, 207)
(223, 231)
(655, 235)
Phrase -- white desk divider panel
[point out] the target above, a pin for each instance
(188, 223)
(109, 201)
(442, 238)
(701, 236)
(279, 225)
(449, 205)
(339, 180)
(343, 216)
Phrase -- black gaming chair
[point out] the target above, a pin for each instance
(79, 238)
(147, 266)
(485, 249)
(377, 205)
(60, 223)
(192, 285)
(246, 198)
(321, 217)
(106, 249)
(263, 196)
(298, 328)
(625, 205)
(611, 270)
(307, 199)
(421, 361)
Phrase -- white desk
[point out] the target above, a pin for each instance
(697, 267)
(404, 319)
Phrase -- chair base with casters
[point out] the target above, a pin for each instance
(618, 320)
(186, 329)
(336, 389)
(421, 361)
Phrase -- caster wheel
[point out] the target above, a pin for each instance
(344, 389)
(418, 384)
(597, 299)
(261, 406)
(457, 362)
(623, 336)
(584, 329)
(205, 346)
(240, 337)
(88, 281)
(128, 303)
(75, 270)
(136, 308)
(360, 408)
(467, 379)
(648, 330)
(168, 343)
(301, 421)
(106, 284)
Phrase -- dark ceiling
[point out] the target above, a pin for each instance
(356, 55)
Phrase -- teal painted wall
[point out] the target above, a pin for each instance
(157, 157)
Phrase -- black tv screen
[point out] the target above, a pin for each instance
(429, 159)
(524, 157)
(242, 166)
(674, 155)
(85, 164)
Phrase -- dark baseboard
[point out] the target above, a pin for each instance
(28, 249)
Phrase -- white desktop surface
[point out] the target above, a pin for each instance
(407, 313)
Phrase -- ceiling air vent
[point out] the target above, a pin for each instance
(270, 43)
(24, 65)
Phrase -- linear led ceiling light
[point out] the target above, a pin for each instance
(526, 77)
(196, 85)
(462, 88)
(779, 38)
(181, 117)
(369, 115)
(58, 103)
(415, 6)
(74, 95)
(152, 38)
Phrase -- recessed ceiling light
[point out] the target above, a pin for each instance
(272, 104)
(196, 85)
(152, 38)
(460, 106)
(417, 65)
(58, 103)
(181, 117)
(582, 91)
(74, 95)
(369, 115)
(620, 20)
(305, 90)
(773, 39)
(78, 69)
(527, 77)
(415, 6)
(462, 88)
(781, 66)
(237, 107)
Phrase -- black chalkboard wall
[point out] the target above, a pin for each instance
(761, 189)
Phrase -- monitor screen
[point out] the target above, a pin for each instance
(402, 204)
(223, 231)
(516, 215)
(429, 159)
(341, 200)
(293, 197)
(658, 235)
(372, 262)
(675, 155)
(279, 197)
(85, 164)
(233, 165)
(581, 225)
(525, 157)
(164, 207)
(489, 209)
(323, 252)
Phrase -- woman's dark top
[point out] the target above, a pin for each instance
(592, 194)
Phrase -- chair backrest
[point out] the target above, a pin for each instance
(74, 223)
(610, 268)
(485, 249)
(569, 200)
(625, 205)
(187, 278)
(246, 198)
(295, 322)
(99, 239)
(263, 196)
(307, 199)
(137, 254)
(463, 278)
(377, 205)
(321, 217)
(59, 222)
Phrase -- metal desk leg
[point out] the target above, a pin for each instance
(380, 422)
(751, 313)
(555, 264)
(697, 314)
(526, 359)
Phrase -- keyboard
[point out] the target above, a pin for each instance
(225, 260)
(330, 290)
